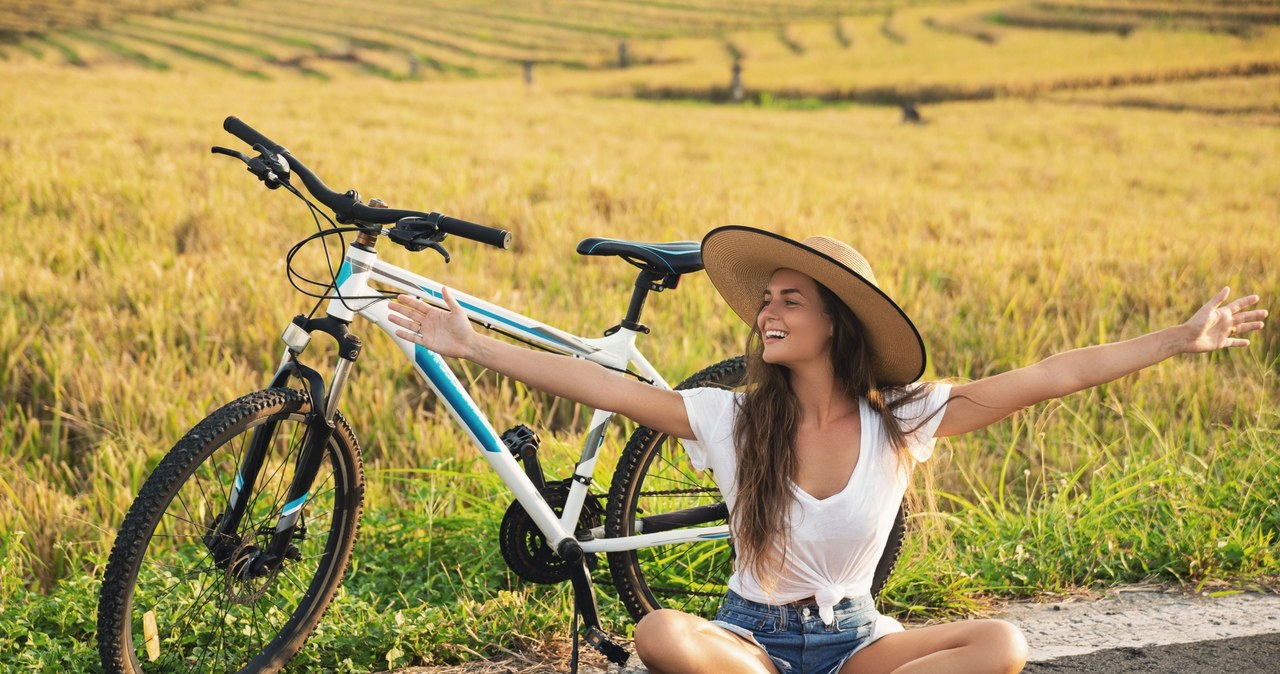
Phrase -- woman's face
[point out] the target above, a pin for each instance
(793, 320)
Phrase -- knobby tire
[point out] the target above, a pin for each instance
(206, 618)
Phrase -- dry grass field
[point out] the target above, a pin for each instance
(143, 282)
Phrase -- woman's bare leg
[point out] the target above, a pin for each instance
(671, 642)
(969, 647)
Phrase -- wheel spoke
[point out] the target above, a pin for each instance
(215, 618)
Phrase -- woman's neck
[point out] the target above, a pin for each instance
(822, 400)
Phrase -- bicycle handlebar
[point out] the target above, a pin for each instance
(349, 210)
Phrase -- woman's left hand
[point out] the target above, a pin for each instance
(1216, 326)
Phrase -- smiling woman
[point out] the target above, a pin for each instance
(812, 483)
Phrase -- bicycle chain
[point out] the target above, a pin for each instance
(678, 492)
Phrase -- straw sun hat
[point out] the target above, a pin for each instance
(741, 260)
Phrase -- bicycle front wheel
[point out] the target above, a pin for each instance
(654, 477)
(167, 605)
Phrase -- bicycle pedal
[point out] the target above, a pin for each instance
(600, 641)
(523, 443)
(520, 439)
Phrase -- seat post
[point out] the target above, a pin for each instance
(645, 281)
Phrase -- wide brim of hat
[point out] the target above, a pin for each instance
(741, 260)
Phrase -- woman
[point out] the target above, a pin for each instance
(814, 457)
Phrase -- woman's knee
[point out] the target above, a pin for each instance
(1006, 644)
(658, 630)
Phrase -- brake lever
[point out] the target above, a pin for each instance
(230, 153)
(435, 245)
(417, 234)
(259, 165)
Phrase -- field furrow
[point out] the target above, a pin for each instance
(431, 30)
(116, 47)
(193, 49)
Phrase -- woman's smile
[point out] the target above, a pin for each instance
(774, 335)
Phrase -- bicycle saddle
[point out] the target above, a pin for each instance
(676, 257)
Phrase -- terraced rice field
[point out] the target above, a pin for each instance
(832, 50)
(880, 51)
(395, 39)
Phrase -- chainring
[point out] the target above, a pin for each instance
(524, 547)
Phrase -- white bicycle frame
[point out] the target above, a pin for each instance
(615, 351)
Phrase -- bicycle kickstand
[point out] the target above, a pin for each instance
(584, 600)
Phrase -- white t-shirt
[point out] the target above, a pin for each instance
(836, 542)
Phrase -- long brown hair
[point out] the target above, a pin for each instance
(765, 432)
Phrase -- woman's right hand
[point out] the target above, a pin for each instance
(448, 333)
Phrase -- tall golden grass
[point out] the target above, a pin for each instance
(142, 284)
(142, 280)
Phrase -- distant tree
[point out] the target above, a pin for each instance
(735, 85)
(910, 115)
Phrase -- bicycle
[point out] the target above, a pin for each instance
(240, 537)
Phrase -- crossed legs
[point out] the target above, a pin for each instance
(671, 642)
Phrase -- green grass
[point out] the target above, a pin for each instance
(428, 585)
(425, 588)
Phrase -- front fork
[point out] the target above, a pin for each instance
(227, 547)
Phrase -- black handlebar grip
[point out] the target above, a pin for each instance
(343, 205)
(498, 238)
(248, 134)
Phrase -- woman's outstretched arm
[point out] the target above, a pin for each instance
(981, 403)
(449, 333)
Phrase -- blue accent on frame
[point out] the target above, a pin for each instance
(433, 365)
(482, 312)
(344, 273)
(294, 505)
(713, 536)
(239, 481)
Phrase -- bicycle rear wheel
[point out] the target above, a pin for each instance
(653, 477)
(168, 606)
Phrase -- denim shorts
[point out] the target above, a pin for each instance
(795, 638)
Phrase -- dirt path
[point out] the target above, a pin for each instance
(1141, 617)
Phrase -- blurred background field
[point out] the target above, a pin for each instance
(1086, 171)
